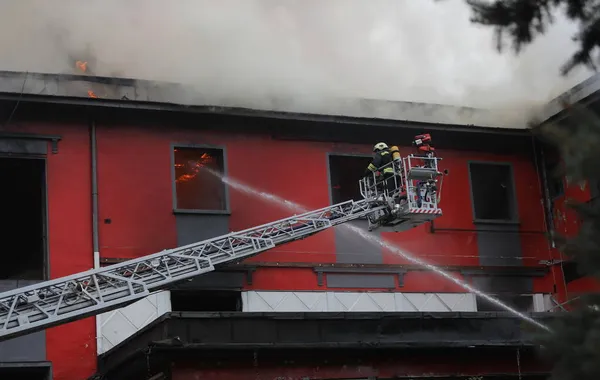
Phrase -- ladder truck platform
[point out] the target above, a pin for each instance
(50, 303)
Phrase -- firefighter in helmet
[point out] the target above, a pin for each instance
(381, 166)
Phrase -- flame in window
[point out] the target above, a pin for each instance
(193, 167)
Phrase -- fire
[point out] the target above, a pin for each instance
(186, 177)
(195, 167)
(81, 65)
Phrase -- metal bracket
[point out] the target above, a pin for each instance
(249, 274)
(54, 145)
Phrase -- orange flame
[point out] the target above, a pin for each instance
(195, 168)
(81, 65)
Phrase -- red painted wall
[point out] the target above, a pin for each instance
(567, 223)
(135, 194)
(70, 347)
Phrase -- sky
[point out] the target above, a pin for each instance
(408, 50)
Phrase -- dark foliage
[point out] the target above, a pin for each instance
(574, 344)
(522, 20)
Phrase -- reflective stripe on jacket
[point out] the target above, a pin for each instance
(380, 159)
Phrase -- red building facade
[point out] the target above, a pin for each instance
(151, 197)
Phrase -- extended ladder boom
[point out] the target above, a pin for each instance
(50, 303)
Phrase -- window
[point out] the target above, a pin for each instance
(522, 303)
(492, 192)
(23, 235)
(553, 180)
(345, 172)
(571, 271)
(206, 300)
(198, 186)
(594, 188)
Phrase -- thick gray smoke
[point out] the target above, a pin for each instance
(411, 50)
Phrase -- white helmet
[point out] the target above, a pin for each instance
(380, 146)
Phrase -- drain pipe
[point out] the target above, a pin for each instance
(96, 245)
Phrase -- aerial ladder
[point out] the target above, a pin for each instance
(37, 307)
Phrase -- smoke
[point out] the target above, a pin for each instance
(420, 51)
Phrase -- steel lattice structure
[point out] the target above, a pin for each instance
(50, 303)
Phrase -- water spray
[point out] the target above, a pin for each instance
(295, 207)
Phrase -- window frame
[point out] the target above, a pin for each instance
(223, 150)
(513, 202)
(343, 154)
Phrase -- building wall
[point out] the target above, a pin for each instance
(135, 180)
(136, 209)
(567, 223)
(70, 347)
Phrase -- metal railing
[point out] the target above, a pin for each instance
(410, 176)
(375, 184)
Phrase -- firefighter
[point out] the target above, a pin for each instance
(423, 144)
(381, 166)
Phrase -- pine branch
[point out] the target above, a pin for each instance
(521, 21)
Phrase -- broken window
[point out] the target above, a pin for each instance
(492, 192)
(198, 184)
(345, 171)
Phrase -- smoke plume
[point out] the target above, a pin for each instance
(412, 50)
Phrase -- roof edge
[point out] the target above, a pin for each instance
(249, 112)
(153, 92)
(575, 94)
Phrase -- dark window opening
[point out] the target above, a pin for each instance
(345, 172)
(594, 184)
(22, 201)
(554, 181)
(197, 182)
(206, 300)
(25, 372)
(493, 194)
(571, 271)
(522, 303)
